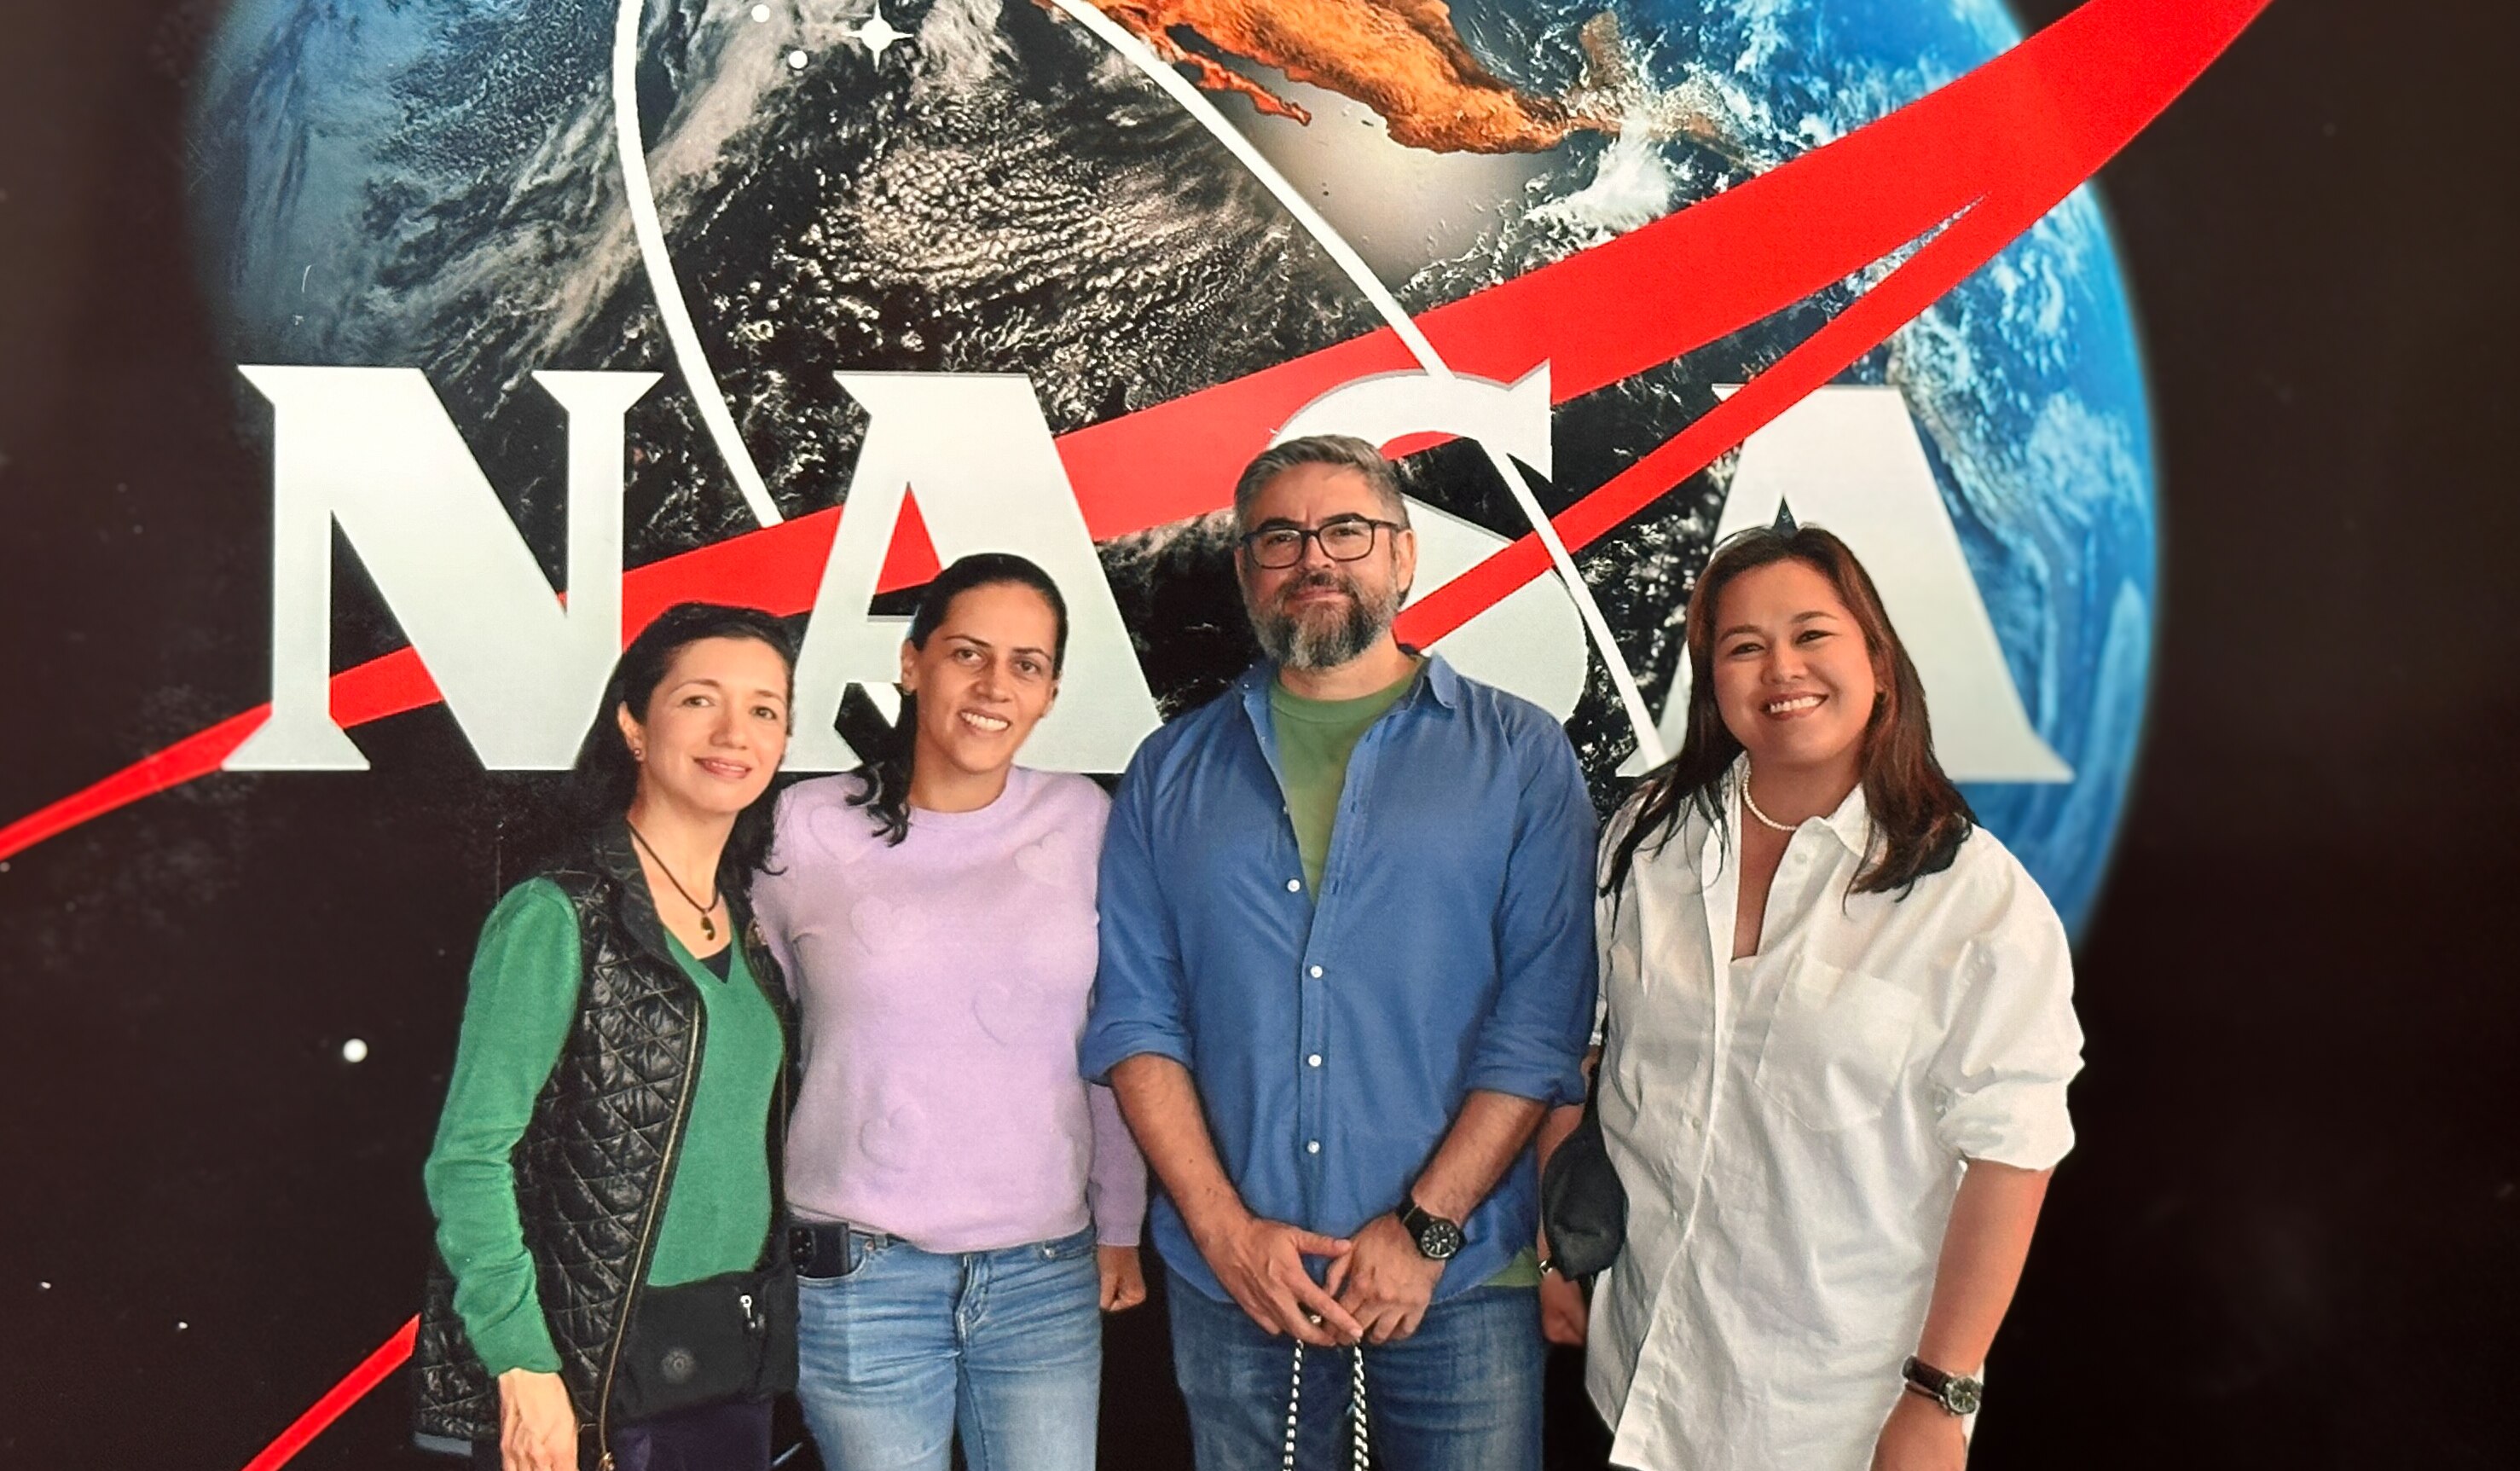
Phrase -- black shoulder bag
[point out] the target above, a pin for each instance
(1583, 1205)
(722, 1338)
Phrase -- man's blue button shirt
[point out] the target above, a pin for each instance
(1335, 1037)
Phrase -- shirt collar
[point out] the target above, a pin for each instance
(1851, 823)
(1436, 680)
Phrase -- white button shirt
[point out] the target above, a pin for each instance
(1792, 1128)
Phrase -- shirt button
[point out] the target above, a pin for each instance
(1314, 1061)
(1316, 972)
(1295, 886)
(1312, 1146)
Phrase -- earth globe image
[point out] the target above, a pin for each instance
(791, 191)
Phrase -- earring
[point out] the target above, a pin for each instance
(638, 754)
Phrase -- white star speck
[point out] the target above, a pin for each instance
(878, 33)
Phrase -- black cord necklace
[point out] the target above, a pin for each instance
(708, 928)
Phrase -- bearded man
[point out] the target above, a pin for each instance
(1346, 966)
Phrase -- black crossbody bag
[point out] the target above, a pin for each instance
(1583, 1205)
(724, 1338)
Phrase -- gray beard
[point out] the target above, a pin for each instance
(1296, 643)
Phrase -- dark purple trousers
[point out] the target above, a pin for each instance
(713, 1438)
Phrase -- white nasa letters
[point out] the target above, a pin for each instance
(1847, 458)
(373, 451)
(988, 478)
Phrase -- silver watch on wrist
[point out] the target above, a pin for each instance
(1954, 1394)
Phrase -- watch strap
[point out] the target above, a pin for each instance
(1953, 1394)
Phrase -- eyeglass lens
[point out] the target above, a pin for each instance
(1284, 546)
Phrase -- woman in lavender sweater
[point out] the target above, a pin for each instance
(964, 1206)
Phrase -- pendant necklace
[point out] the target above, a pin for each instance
(708, 927)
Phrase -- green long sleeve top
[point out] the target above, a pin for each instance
(517, 1019)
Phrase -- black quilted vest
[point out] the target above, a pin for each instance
(592, 1171)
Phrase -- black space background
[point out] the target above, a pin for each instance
(2290, 1237)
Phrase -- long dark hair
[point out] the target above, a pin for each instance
(1920, 819)
(884, 788)
(605, 778)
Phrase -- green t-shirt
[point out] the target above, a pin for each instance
(1314, 738)
(516, 1017)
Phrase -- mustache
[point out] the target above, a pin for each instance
(1309, 581)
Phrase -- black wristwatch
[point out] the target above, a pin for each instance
(1437, 1238)
(1956, 1394)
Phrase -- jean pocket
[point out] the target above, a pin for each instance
(1837, 1047)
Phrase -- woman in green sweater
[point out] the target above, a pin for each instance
(602, 1177)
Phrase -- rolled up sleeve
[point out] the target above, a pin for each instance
(2013, 1047)
(1532, 1046)
(1140, 1002)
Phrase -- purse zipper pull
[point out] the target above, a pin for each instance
(749, 1321)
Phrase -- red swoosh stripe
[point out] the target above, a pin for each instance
(1998, 148)
(1995, 149)
(354, 1386)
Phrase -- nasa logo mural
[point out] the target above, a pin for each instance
(666, 283)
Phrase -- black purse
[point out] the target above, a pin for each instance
(1583, 1205)
(724, 1338)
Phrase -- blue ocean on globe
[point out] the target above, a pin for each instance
(979, 186)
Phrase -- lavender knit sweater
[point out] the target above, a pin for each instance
(944, 984)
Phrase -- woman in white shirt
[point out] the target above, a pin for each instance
(1839, 1032)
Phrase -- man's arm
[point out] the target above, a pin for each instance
(1261, 1263)
(1532, 1043)
(1563, 1311)
(1137, 1038)
(1529, 1047)
(1484, 1141)
(1386, 1281)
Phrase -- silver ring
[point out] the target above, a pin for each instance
(1314, 1318)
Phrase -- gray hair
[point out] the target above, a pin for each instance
(1337, 451)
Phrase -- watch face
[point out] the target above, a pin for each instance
(1961, 1396)
(1439, 1239)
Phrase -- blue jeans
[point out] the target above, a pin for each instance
(906, 1345)
(1461, 1394)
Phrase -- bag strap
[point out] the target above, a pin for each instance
(1356, 1410)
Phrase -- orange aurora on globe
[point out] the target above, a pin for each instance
(1400, 58)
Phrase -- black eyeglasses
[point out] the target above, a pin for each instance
(1345, 538)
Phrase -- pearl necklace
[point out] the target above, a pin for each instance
(1752, 803)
